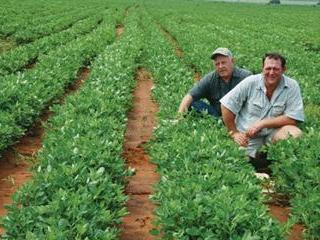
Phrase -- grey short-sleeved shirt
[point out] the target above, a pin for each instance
(213, 88)
(248, 101)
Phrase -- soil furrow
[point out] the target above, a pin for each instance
(173, 40)
(282, 213)
(18, 158)
(119, 30)
(179, 51)
(141, 121)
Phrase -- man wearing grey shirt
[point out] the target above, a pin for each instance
(264, 108)
(215, 84)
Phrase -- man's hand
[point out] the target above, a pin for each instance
(180, 115)
(240, 138)
(254, 129)
(185, 103)
(229, 120)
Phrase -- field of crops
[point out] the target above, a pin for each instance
(207, 188)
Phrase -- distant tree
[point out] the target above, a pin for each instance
(274, 2)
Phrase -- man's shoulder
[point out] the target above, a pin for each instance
(252, 80)
(209, 77)
(290, 82)
(249, 83)
(241, 72)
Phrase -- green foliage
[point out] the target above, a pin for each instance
(77, 187)
(26, 95)
(18, 58)
(6, 44)
(249, 31)
(296, 169)
(207, 189)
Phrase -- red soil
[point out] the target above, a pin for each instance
(14, 163)
(197, 76)
(119, 30)
(137, 224)
(16, 160)
(282, 213)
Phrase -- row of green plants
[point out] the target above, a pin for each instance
(37, 27)
(25, 95)
(243, 29)
(295, 162)
(18, 12)
(296, 166)
(16, 59)
(77, 188)
(207, 188)
(57, 24)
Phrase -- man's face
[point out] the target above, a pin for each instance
(224, 66)
(272, 71)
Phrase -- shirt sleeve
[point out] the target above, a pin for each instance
(294, 107)
(235, 99)
(201, 88)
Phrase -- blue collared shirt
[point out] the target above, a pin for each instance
(248, 101)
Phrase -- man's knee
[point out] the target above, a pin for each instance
(285, 132)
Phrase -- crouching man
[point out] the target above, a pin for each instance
(214, 85)
(264, 108)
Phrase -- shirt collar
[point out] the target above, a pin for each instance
(282, 84)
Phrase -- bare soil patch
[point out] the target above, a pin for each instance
(6, 45)
(141, 121)
(31, 64)
(18, 158)
(197, 76)
(282, 213)
(279, 204)
(279, 208)
(82, 76)
(119, 30)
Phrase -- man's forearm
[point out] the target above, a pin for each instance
(278, 122)
(185, 103)
(229, 119)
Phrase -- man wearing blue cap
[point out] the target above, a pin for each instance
(214, 85)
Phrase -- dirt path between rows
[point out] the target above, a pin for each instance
(119, 30)
(141, 121)
(279, 208)
(18, 158)
(282, 213)
(178, 50)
